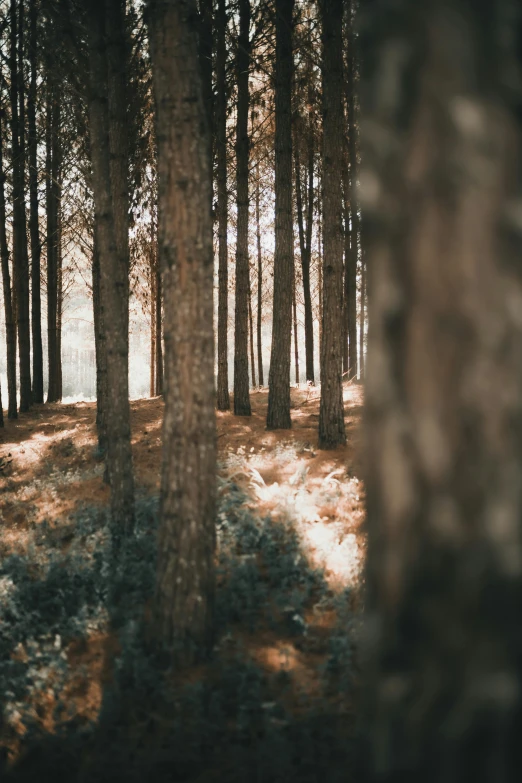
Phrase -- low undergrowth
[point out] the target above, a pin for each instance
(273, 704)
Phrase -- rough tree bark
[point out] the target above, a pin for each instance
(442, 229)
(331, 412)
(10, 324)
(241, 390)
(107, 119)
(183, 605)
(220, 119)
(36, 307)
(352, 191)
(20, 250)
(278, 414)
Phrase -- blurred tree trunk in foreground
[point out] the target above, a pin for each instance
(183, 607)
(442, 225)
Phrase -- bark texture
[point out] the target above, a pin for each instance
(278, 414)
(184, 599)
(442, 229)
(331, 412)
(107, 119)
(241, 389)
(223, 397)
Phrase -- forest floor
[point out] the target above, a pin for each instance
(276, 703)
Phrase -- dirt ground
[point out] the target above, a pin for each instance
(49, 469)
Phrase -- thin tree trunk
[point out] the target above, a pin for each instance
(251, 334)
(20, 250)
(223, 398)
(443, 662)
(59, 290)
(36, 307)
(183, 614)
(241, 386)
(10, 322)
(1, 408)
(305, 243)
(107, 119)
(100, 350)
(362, 318)
(153, 297)
(296, 344)
(159, 331)
(320, 271)
(331, 412)
(53, 207)
(278, 414)
(259, 283)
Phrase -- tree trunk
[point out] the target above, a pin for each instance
(278, 415)
(153, 298)
(59, 291)
(107, 120)
(241, 386)
(10, 324)
(100, 350)
(443, 655)
(1, 408)
(184, 600)
(205, 59)
(20, 250)
(352, 187)
(305, 242)
(331, 412)
(320, 272)
(251, 334)
(362, 317)
(223, 399)
(53, 205)
(296, 344)
(36, 308)
(259, 284)
(159, 330)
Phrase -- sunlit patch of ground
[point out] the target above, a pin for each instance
(55, 471)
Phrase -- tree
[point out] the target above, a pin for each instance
(36, 308)
(183, 604)
(442, 231)
(20, 250)
(351, 203)
(53, 208)
(107, 121)
(220, 121)
(259, 283)
(241, 387)
(10, 325)
(278, 415)
(331, 413)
